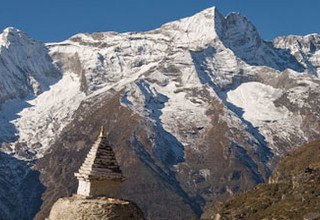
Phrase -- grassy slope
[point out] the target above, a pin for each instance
(293, 191)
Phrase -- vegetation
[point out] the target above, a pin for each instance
(293, 192)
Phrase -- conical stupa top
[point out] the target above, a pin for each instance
(100, 162)
(101, 135)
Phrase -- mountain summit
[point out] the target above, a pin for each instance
(199, 109)
(26, 67)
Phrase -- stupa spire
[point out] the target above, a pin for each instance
(102, 134)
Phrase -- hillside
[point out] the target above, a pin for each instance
(293, 191)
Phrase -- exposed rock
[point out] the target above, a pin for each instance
(79, 208)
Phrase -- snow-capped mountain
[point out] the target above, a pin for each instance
(304, 48)
(196, 110)
(26, 67)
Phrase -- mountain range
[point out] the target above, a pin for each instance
(197, 110)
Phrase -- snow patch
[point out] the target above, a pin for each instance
(205, 173)
(256, 100)
(274, 123)
(41, 119)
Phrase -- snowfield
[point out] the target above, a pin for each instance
(256, 100)
(48, 114)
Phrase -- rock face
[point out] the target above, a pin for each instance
(79, 208)
(293, 191)
(304, 48)
(198, 109)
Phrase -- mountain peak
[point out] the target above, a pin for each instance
(11, 30)
(200, 30)
(196, 31)
(13, 35)
(28, 67)
(239, 32)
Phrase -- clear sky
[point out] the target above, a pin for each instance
(56, 20)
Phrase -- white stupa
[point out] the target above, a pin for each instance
(100, 174)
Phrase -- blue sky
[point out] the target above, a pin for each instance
(59, 19)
